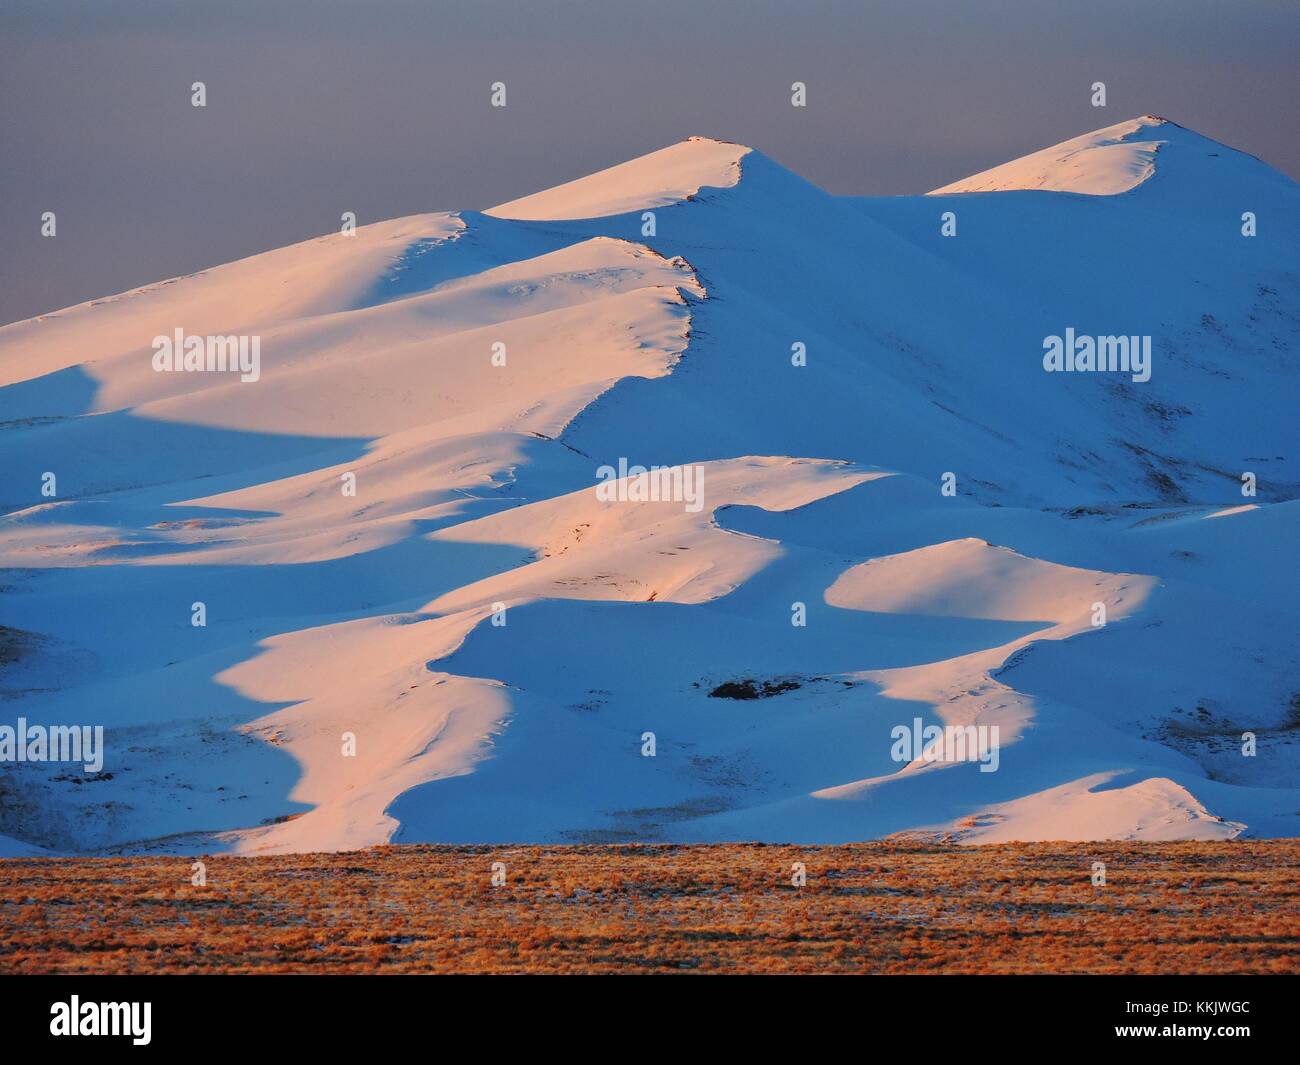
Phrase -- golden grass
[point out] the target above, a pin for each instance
(894, 907)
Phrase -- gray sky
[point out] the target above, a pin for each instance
(381, 107)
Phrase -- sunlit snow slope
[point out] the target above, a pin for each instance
(473, 645)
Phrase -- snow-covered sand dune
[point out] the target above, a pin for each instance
(494, 636)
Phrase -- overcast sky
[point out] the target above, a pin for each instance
(382, 107)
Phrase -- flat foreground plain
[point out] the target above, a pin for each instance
(885, 907)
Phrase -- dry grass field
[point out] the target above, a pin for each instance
(895, 907)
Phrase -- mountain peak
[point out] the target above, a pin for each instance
(667, 176)
(1105, 162)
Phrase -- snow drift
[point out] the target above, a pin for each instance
(420, 621)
